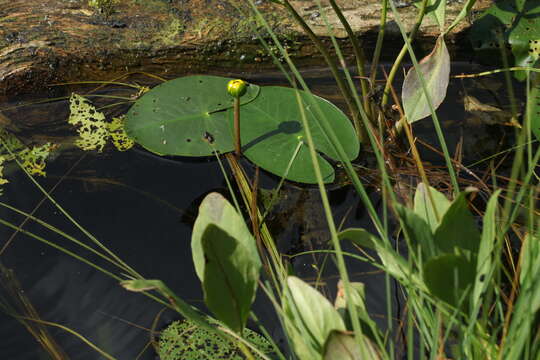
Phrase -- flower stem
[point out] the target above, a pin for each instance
(237, 144)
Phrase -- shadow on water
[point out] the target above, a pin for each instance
(143, 207)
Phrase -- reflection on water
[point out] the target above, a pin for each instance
(142, 207)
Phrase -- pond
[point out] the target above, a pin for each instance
(142, 207)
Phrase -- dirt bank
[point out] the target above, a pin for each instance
(49, 41)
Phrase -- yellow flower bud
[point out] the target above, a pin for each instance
(237, 87)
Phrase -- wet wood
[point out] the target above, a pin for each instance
(49, 41)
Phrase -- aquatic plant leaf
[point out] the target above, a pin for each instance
(435, 69)
(418, 231)
(226, 261)
(272, 130)
(457, 216)
(33, 159)
(343, 346)
(309, 317)
(527, 304)
(2, 179)
(533, 106)
(11, 142)
(120, 140)
(431, 212)
(513, 23)
(357, 297)
(524, 37)
(448, 276)
(185, 340)
(485, 251)
(185, 116)
(91, 125)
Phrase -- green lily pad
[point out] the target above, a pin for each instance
(183, 116)
(272, 131)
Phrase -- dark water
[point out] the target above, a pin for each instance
(142, 208)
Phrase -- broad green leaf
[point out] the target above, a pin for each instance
(357, 296)
(215, 209)
(271, 130)
(435, 69)
(431, 212)
(448, 276)
(485, 252)
(341, 345)
(179, 116)
(418, 231)
(524, 37)
(492, 25)
(369, 327)
(514, 23)
(226, 261)
(230, 278)
(458, 229)
(311, 316)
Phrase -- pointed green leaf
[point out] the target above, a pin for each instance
(418, 231)
(215, 209)
(431, 212)
(533, 104)
(485, 252)
(527, 304)
(341, 345)
(311, 315)
(175, 117)
(448, 276)
(458, 229)
(435, 69)
(226, 261)
(230, 278)
(369, 327)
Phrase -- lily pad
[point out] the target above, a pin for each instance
(185, 116)
(272, 132)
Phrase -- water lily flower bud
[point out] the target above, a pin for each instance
(237, 88)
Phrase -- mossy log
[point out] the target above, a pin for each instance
(50, 41)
